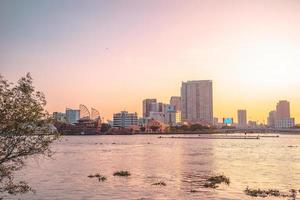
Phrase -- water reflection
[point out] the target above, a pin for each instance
(183, 164)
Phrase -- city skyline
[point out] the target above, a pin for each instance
(113, 55)
(154, 106)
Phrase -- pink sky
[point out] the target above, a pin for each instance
(112, 54)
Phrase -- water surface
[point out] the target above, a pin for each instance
(183, 164)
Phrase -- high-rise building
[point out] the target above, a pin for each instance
(283, 110)
(72, 115)
(197, 102)
(272, 119)
(242, 118)
(124, 119)
(148, 106)
(176, 102)
(281, 117)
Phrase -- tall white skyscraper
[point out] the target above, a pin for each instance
(197, 102)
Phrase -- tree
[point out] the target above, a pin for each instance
(142, 129)
(25, 130)
(154, 128)
(104, 127)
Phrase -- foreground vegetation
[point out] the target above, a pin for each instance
(25, 131)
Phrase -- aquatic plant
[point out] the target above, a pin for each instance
(122, 173)
(271, 192)
(214, 181)
(293, 194)
(262, 193)
(160, 183)
(99, 176)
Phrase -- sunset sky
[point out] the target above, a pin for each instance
(112, 54)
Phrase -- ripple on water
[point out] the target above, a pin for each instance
(183, 164)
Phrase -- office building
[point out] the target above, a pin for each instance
(197, 102)
(149, 105)
(283, 110)
(159, 116)
(176, 102)
(72, 115)
(281, 117)
(242, 118)
(272, 119)
(125, 119)
(285, 123)
(171, 116)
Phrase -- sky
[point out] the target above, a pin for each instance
(112, 54)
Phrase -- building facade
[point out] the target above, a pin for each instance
(72, 115)
(170, 115)
(59, 116)
(252, 124)
(159, 116)
(272, 119)
(285, 123)
(125, 119)
(283, 109)
(197, 102)
(176, 102)
(149, 105)
(242, 118)
(281, 117)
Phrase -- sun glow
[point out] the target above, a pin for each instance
(268, 64)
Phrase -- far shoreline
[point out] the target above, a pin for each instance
(189, 133)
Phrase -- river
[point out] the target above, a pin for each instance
(183, 164)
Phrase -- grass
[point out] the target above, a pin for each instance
(99, 176)
(122, 173)
(160, 183)
(214, 181)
